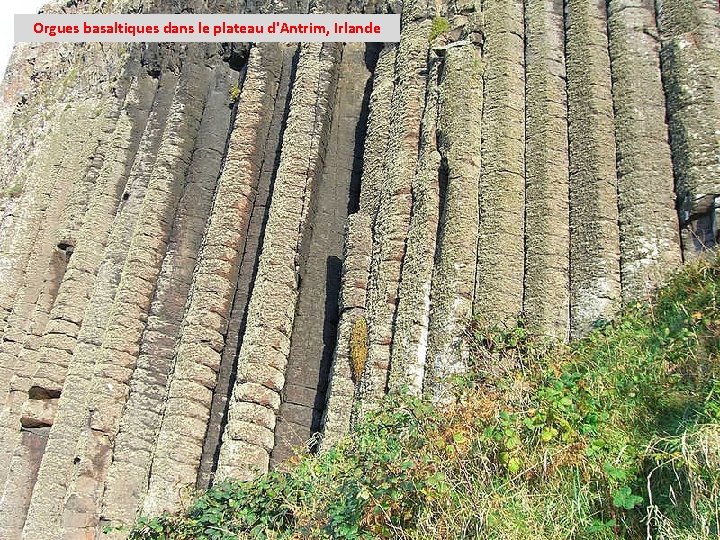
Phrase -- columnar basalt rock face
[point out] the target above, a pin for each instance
(252, 413)
(546, 303)
(248, 265)
(411, 328)
(394, 200)
(650, 243)
(320, 261)
(594, 235)
(690, 53)
(500, 250)
(197, 356)
(342, 387)
(139, 424)
(211, 254)
(459, 133)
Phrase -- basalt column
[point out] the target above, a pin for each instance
(89, 419)
(45, 264)
(498, 291)
(394, 203)
(347, 365)
(410, 338)
(25, 422)
(125, 479)
(690, 56)
(248, 437)
(373, 170)
(649, 239)
(345, 372)
(248, 266)
(594, 236)
(139, 284)
(39, 395)
(459, 139)
(46, 270)
(547, 234)
(316, 319)
(79, 316)
(188, 396)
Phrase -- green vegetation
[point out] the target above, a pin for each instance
(440, 25)
(234, 92)
(13, 191)
(616, 436)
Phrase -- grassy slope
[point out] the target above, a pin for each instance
(615, 436)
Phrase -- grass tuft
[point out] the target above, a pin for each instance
(440, 25)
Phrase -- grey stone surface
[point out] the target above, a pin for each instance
(546, 303)
(460, 142)
(594, 233)
(265, 349)
(316, 318)
(689, 58)
(649, 239)
(500, 252)
(394, 200)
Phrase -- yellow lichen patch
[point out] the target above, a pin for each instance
(358, 347)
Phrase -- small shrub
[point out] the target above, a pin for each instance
(358, 347)
(440, 25)
(234, 92)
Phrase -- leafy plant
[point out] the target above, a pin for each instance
(440, 25)
(234, 92)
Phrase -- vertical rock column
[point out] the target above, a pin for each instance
(374, 173)
(62, 167)
(178, 450)
(132, 450)
(594, 237)
(44, 177)
(410, 336)
(76, 320)
(342, 386)
(123, 124)
(121, 343)
(248, 268)
(394, 203)
(649, 239)
(248, 437)
(62, 161)
(91, 266)
(46, 268)
(500, 254)
(547, 233)
(690, 56)
(94, 424)
(460, 141)
(316, 319)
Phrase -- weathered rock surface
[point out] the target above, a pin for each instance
(212, 254)
(689, 59)
(546, 303)
(594, 234)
